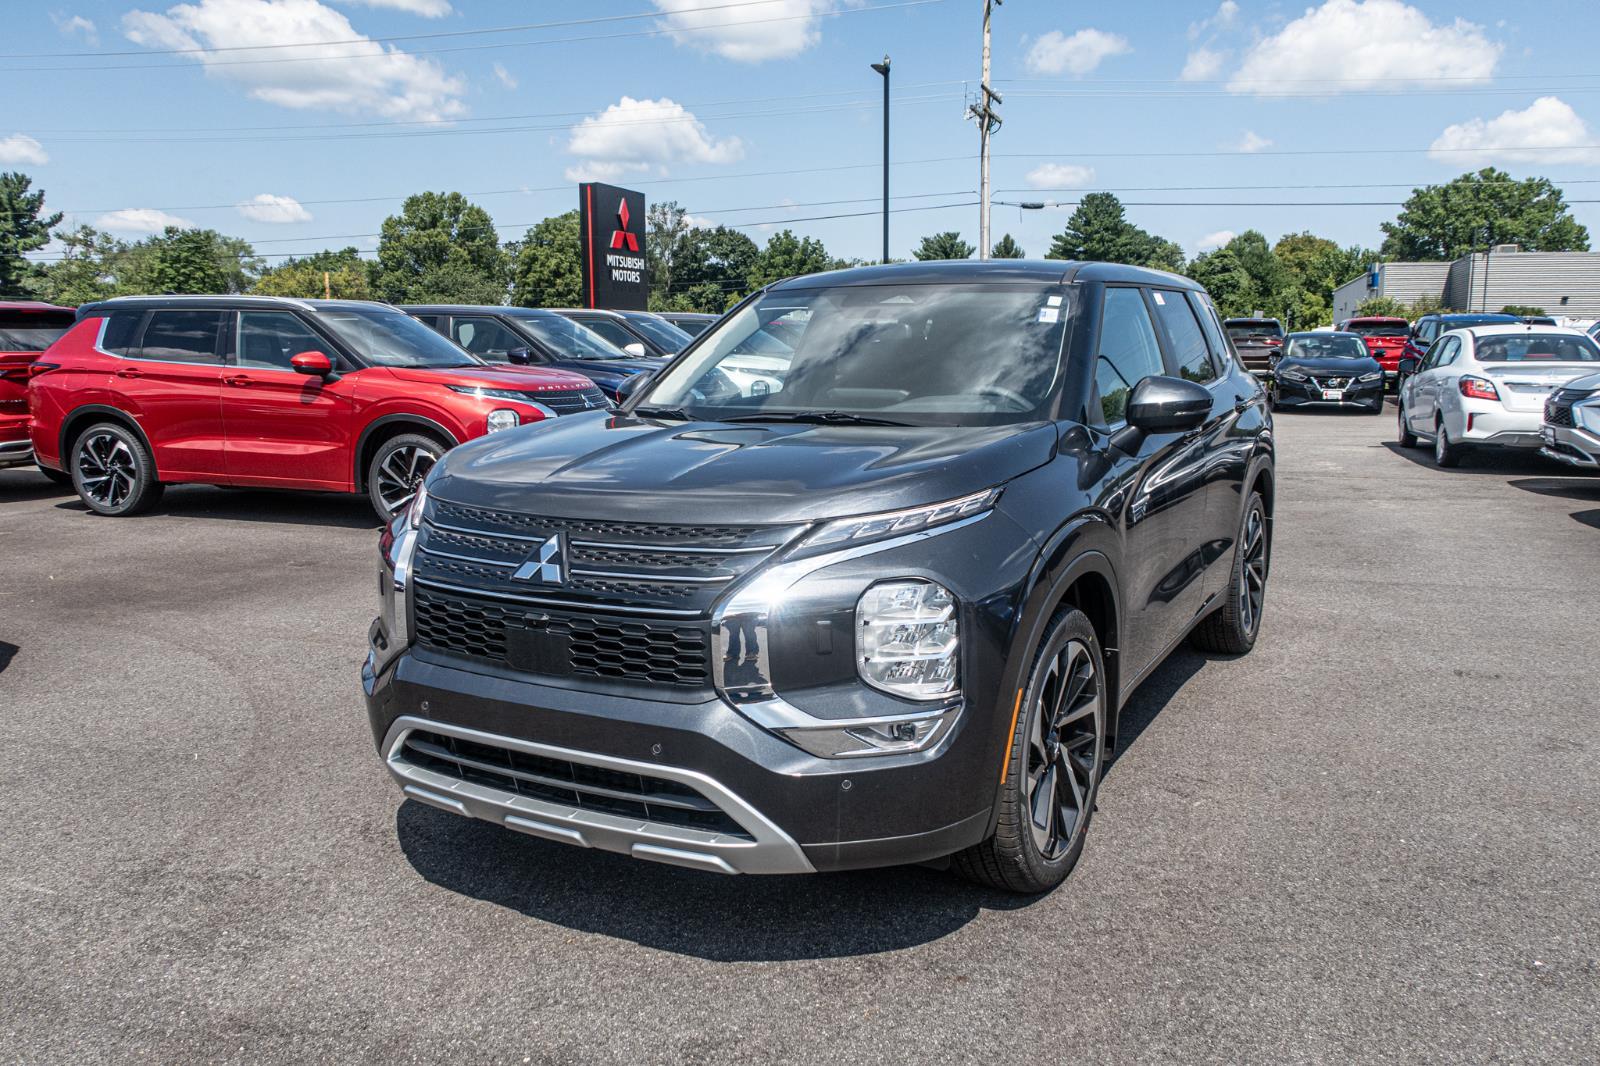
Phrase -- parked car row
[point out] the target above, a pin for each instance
(125, 396)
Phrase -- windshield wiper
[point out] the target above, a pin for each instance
(647, 411)
(841, 418)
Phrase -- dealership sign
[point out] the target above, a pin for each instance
(611, 233)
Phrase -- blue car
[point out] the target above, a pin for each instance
(530, 336)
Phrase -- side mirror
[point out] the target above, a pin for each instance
(1161, 404)
(636, 349)
(316, 363)
(632, 385)
(520, 356)
(1409, 364)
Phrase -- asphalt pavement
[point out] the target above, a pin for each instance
(1375, 839)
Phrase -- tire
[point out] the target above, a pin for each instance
(397, 468)
(1408, 439)
(1053, 765)
(1445, 454)
(56, 477)
(1232, 628)
(112, 471)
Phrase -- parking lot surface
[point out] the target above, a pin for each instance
(1376, 838)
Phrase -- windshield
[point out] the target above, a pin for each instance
(32, 332)
(394, 338)
(1242, 329)
(662, 334)
(1379, 329)
(1326, 346)
(1536, 347)
(569, 339)
(898, 354)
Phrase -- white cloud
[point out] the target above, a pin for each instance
(1548, 122)
(775, 30)
(428, 9)
(275, 209)
(1059, 176)
(1203, 64)
(20, 148)
(635, 136)
(76, 26)
(1056, 53)
(381, 80)
(140, 220)
(504, 76)
(1223, 18)
(1214, 240)
(1252, 142)
(1353, 44)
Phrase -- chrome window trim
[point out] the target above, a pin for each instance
(105, 320)
(772, 851)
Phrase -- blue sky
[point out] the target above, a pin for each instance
(739, 109)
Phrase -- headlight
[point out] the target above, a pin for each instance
(489, 394)
(1291, 375)
(502, 419)
(906, 639)
(1587, 416)
(891, 523)
(1376, 375)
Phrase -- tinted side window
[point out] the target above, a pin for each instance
(1128, 351)
(484, 336)
(1440, 353)
(1212, 328)
(1188, 343)
(611, 331)
(120, 330)
(181, 336)
(272, 338)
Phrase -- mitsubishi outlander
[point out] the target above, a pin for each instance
(881, 604)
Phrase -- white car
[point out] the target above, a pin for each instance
(1485, 386)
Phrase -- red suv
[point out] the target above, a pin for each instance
(1385, 339)
(26, 329)
(336, 395)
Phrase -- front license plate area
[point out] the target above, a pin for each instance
(1333, 394)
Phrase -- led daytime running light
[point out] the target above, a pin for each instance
(893, 523)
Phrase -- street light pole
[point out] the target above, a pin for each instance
(883, 68)
(988, 120)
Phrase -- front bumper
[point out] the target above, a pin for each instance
(1368, 395)
(1570, 445)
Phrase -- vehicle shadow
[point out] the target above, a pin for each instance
(1498, 463)
(1570, 487)
(723, 919)
(1588, 518)
(7, 653)
(257, 505)
(19, 485)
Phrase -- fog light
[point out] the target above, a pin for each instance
(503, 419)
(906, 639)
(894, 736)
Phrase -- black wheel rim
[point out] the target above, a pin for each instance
(1064, 750)
(400, 474)
(107, 472)
(1253, 587)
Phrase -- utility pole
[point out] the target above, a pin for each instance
(883, 68)
(988, 120)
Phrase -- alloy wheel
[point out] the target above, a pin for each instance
(107, 470)
(401, 474)
(1064, 750)
(1253, 589)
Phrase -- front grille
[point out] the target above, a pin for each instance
(570, 784)
(1557, 414)
(480, 518)
(1331, 383)
(550, 644)
(570, 401)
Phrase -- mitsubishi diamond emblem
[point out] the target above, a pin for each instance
(545, 563)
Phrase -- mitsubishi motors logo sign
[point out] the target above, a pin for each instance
(623, 236)
(610, 232)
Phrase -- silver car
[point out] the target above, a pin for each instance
(1485, 387)
(1571, 429)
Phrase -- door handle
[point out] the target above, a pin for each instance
(130, 372)
(237, 380)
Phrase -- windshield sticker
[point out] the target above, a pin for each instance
(1053, 301)
(1049, 314)
(1160, 299)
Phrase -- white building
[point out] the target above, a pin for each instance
(1565, 284)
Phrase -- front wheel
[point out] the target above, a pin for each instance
(1053, 765)
(113, 472)
(397, 470)
(1231, 629)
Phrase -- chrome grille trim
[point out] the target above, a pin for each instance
(540, 601)
(664, 548)
(663, 578)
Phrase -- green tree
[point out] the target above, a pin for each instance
(348, 277)
(441, 246)
(1006, 248)
(1312, 268)
(1098, 229)
(712, 270)
(1381, 307)
(666, 232)
(1474, 211)
(23, 228)
(946, 245)
(545, 267)
(787, 256)
(86, 270)
(188, 261)
(1226, 279)
(1522, 309)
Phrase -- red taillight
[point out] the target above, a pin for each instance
(33, 370)
(1478, 388)
(1275, 342)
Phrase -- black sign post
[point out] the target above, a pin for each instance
(611, 236)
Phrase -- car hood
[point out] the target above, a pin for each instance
(617, 468)
(614, 368)
(520, 378)
(1353, 367)
(1588, 383)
